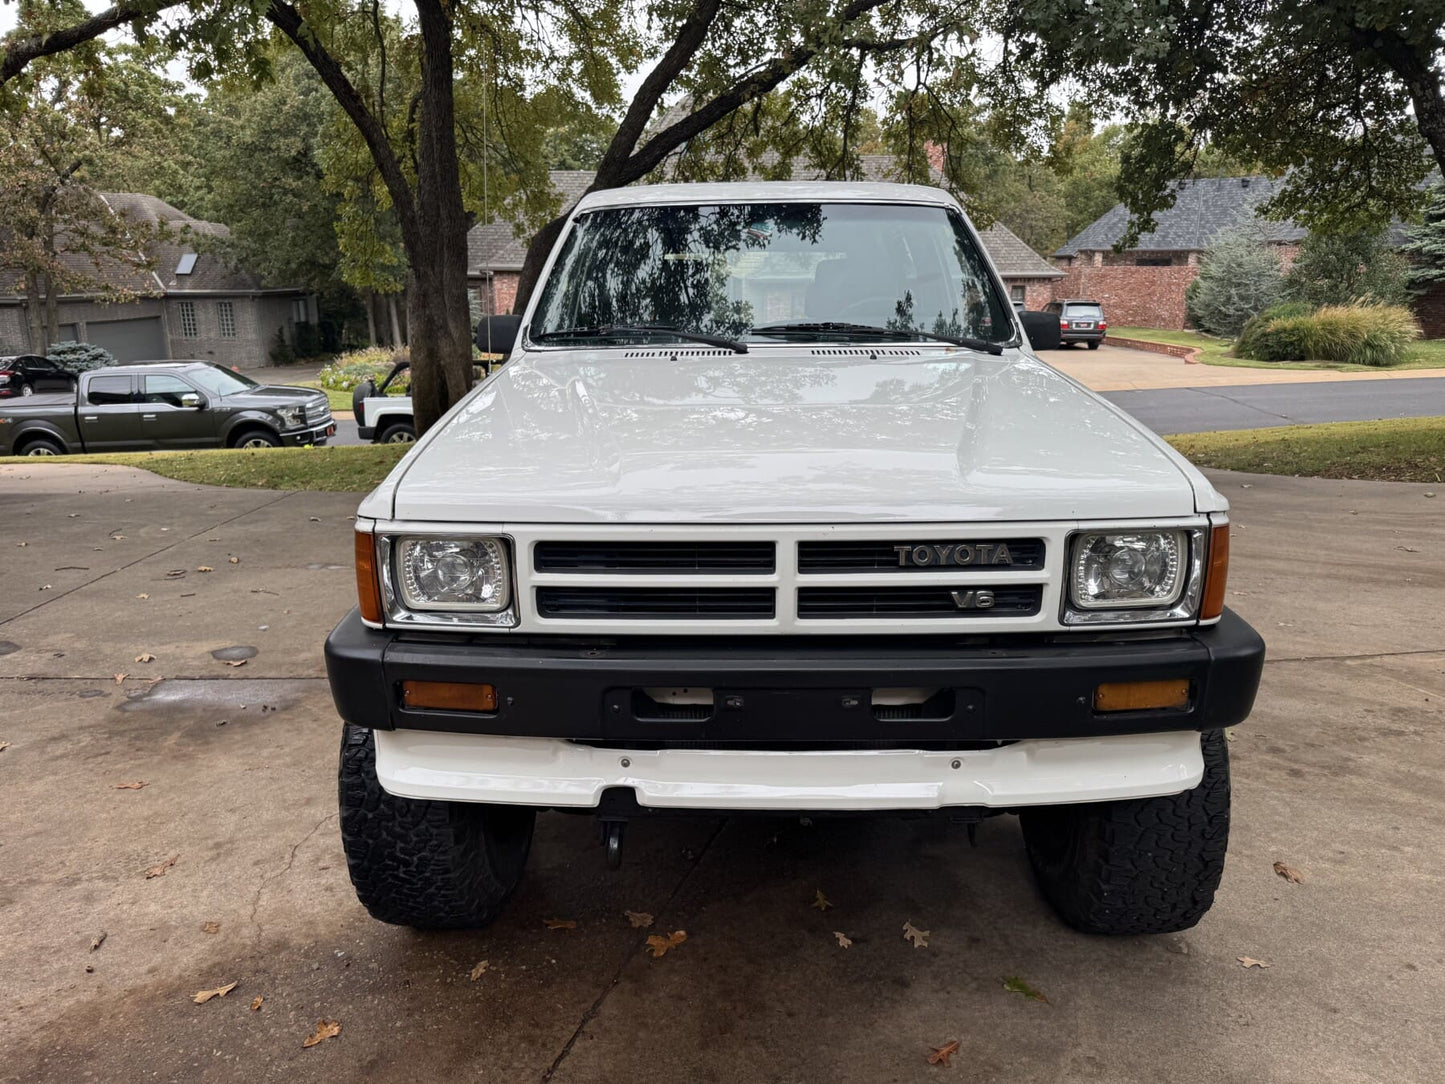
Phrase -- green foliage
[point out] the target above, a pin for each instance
(1237, 279)
(355, 367)
(281, 352)
(1424, 247)
(1372, 333)
(81, 357)
(1337, 268)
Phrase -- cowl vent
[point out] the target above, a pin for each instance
(681, 352)
(864, 352)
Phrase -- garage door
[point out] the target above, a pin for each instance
(129, 340)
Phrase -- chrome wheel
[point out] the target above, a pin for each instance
(26, 390)
(257, 442)
(399, 436)
(41, 449)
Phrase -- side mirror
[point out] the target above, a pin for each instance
(1042, 328)
(498, 334)
(192, 400)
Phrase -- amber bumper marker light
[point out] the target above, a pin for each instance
(1141, 695)
(368, 589)
(1212, 605)
(449, 696)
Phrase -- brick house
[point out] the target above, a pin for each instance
(192, 304)
(495, 252)
(1144, 286)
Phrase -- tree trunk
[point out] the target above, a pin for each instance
(395, 317)
(52, 314)
(370, 302)
(537, 253)
(438, 317)
(35, 313)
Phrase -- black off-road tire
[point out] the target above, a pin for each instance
(400, 433)
(1142, 865)
(426, 864)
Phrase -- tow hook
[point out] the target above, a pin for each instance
(612, 839)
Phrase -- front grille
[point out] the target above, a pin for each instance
(931, 555)
(668, 603)
(930, 601)
(654, 557)
(317, 411)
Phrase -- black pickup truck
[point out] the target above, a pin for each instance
(184, 404)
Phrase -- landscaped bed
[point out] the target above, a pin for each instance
(1429, 354)
(1397, 450)
(333, 470)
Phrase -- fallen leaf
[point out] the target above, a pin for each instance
(46, 587)
(203, 996)
(4, 745)
(210, 927)
(98, 940)
(1018, 986)
(914, 934)
(1249, 961)
(820, 901)
(159, 869)
(119, 678)
(256, 1002)
(941, 1054)
(325, 1029)
(844, 941)
(236, 662)
(639, 919)
(559, 923)
(175, 573)
(235, 560)
(1289, 873)
(145, 656)
(117, 538)
(22, 543)
(204, 568)
(137, 785)
(479, 970)
(142, 595)
(658, 945)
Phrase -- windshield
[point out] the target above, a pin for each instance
(735, 269)
(220, 381)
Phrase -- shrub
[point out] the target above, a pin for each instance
(1342, 268)
(1238, 279)
(281, 351)
(80, 357)
(1364, 333)
(348, 370)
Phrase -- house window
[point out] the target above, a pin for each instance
(226, 319)
(1016, 293)
(187, 311)
(299, 310)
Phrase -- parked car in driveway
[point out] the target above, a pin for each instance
(188, 404)
(27, 374)
(1080, 321)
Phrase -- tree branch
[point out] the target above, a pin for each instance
(21, 52)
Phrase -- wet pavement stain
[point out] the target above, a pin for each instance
(8, 647)
(235, 653)
(262, 697)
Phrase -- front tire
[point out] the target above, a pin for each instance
(1142, 865)
(257, 438)
(401, 433)
(25, 391)
(426, 864)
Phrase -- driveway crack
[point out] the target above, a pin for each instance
(285, 869)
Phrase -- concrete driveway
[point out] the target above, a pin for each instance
(1338, 774)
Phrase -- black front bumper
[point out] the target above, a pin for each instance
(795, 689)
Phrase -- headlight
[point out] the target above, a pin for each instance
(453, 574)
(1127, 570)
(291, 415)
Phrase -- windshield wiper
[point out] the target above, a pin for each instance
(833, 327)
(605, 330)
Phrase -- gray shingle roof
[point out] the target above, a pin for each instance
(1202, 211)
(211, 270)
(495, 246)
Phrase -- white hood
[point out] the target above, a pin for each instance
(785, 435)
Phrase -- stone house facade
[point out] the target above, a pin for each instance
(191, 304)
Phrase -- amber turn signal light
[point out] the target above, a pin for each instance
(1141, 695)
(1212, 605)
(449, 696)
(368, 589)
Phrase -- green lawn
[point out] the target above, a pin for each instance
(1428, 354)
(1397, 450)
(339, 400)
(334, 470)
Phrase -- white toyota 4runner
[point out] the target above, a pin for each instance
(774, 509)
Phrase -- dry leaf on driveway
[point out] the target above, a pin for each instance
(210, 927)
(235, 560)
(658, 945)
(204, 568)
(119, 678)
(1249, 961)
(479, 970)
(941, 1054)
(159, 869)
(236, 662)
(256, 1002)
(1018, 986)
(46, 587)
(820, 901)
(559, 923)
(98, 940)
(137, 785)
(145, 656)
(639, 919)
(325, 1029)
(844, 941)
(1289, 873)
(914, 934)
(4, 745)
(142, 595)
(203, 996)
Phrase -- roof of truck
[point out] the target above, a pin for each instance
(765, 192)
